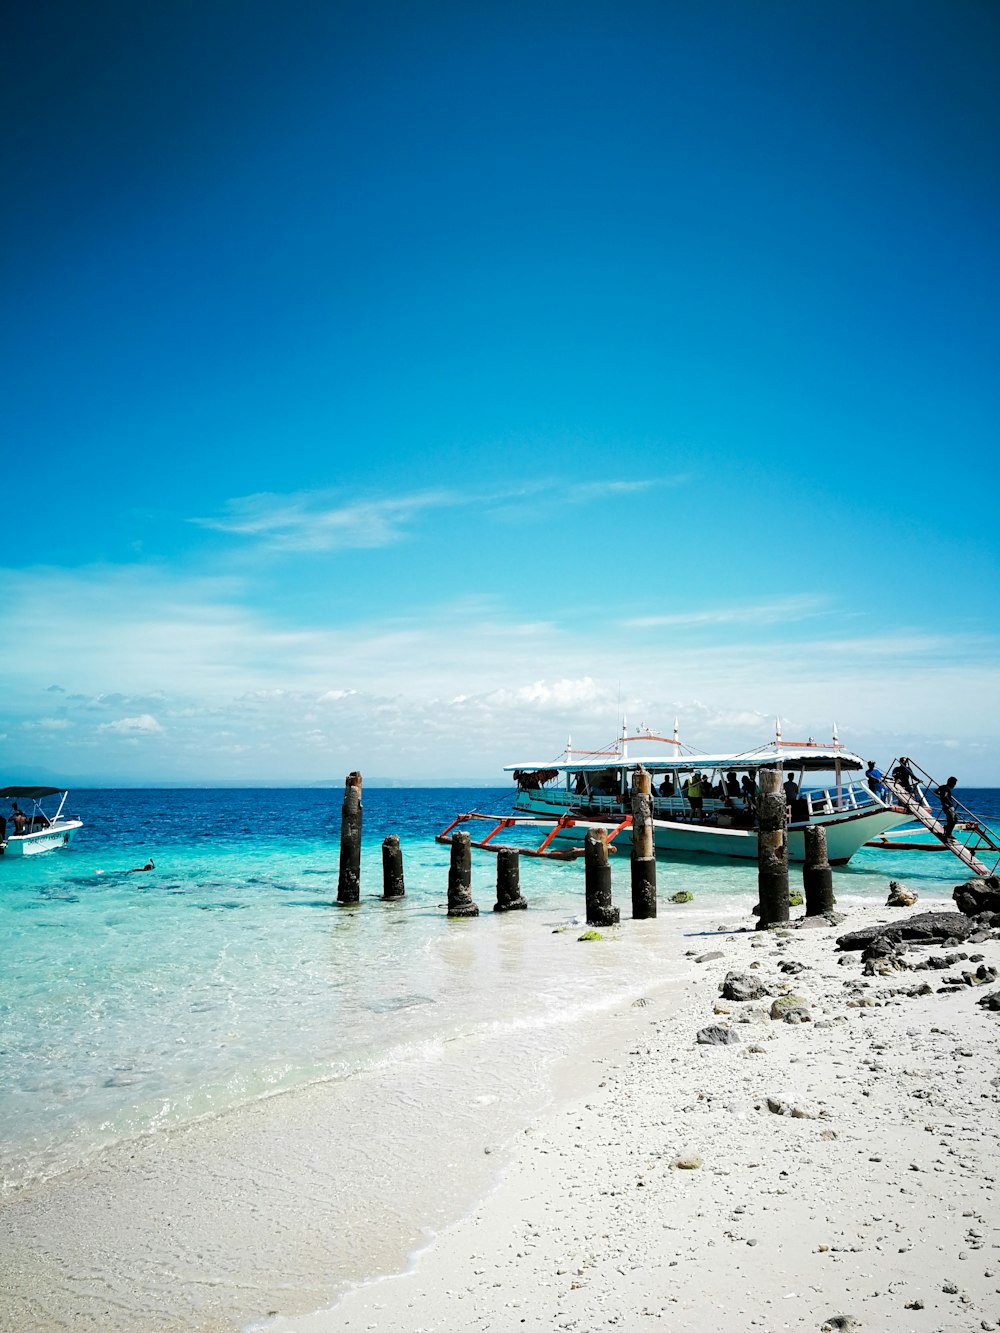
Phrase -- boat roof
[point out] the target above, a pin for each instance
(815, 758)
(28, 793)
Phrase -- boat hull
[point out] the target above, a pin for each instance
(845, 833)
(57, 835)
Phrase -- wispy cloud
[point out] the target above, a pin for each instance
(144, 724)
(319, 521)
(783, 611)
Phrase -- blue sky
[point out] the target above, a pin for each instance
(402, 387)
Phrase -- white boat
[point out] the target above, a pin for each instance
(587, 788)
(32, 831)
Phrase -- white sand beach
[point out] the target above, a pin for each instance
(862, 1193)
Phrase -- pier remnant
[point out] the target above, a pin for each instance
(643, 850)
(349, 881)
(817, 877)
(509, 881)
(601, 911)
(392, 869)
(772, 850)
(460, 877)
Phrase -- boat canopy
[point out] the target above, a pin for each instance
(811, 758)
(28, 793)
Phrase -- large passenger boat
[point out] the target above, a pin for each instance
(29, 832)
(705, 804)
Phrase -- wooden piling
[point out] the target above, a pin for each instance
(643, 849)
(597, 872)
(509, 881)
(349, 881)
(460, 877)
(817, 877)
(772, 850)
(392, 869)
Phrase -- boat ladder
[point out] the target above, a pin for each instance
(982, 839)
(553, 827)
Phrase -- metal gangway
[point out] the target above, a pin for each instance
(982, 839)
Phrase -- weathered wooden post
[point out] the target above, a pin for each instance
(460, 877)
(392, 869)
(643, 849)
(817, 877)
(349, 882)
(597, 873)
(509, 881)
(772, 850)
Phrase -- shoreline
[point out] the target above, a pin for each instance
(870, 1195)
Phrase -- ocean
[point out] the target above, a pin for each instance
(144, 1013)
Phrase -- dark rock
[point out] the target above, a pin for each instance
(991, 1001)
(710, 957)
(900, 895)
(924, 926)
(716, 1035)
(791, 968)
(978, 895)
(741, 986)
(840, 1323)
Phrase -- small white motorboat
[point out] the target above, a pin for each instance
(29, 832)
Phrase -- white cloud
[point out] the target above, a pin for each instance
(315, 521)
(144, 723)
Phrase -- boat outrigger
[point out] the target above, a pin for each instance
(703, 804)
(27, 833)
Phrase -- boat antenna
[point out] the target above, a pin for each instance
(777, 731)
(677, 736)
(624, 736)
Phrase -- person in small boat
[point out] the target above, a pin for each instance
(20, 820)
(732, 785)
(946, 795)
(791, 789)
(3, 828)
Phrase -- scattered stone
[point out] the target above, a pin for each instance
(991, 1001)
(710, 957)
(689, 1161)
(914, 1305)
(641, 1003)
(791, 968)
(821, 919)
(791, 1004)
(978, 895)
(682, 897)
(949, 1289)
(795, 899)
(944, 926)
(839, 1323)
(741, 986)
(716, 1035)
(900, 895)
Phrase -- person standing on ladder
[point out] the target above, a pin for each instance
(946, 795)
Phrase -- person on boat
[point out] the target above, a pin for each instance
(873, 777)
(20, 820)
(667, 785)
(749, 789)
(732, 785)
(3, 829)
(694, 794)
(791, 789)
(946, 796)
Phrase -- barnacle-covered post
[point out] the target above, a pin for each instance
(460, 877)
(817, 877)
(772, 850)
(349, 881)
(643, 850)
(601, 911)
(392, 869)
(509, 881)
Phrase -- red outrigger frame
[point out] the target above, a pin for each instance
(502, 822)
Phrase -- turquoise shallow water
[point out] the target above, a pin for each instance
(137, 1002)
